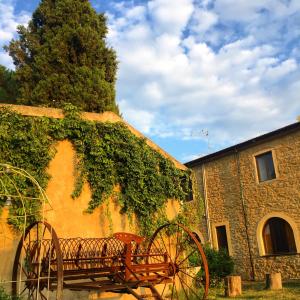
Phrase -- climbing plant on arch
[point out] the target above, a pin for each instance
(25, 208)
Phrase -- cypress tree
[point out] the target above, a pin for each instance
(62, 57)
(8, 86)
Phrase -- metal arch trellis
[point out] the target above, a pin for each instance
(11, 193)
(9, 189)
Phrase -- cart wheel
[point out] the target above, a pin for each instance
(188, 269)
(38, 269)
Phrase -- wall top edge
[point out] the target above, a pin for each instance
(107, 116)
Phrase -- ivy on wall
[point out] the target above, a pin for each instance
(109, 155)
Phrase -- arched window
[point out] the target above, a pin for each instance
(278, 237)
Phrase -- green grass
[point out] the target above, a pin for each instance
(256, 291)
(4, 295)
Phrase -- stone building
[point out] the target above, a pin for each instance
(251, 193)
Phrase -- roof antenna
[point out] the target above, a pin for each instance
(203, 132)
(206, 135)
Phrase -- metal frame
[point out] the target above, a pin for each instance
(45, 264)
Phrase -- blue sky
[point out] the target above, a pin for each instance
(197, 76)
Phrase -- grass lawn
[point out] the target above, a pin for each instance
(255, 290)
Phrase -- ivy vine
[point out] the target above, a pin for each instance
(109, 155)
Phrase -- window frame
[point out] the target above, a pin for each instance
(275, 223)
(222, 237)
(228, 235)
(259, 233)
(262, 152)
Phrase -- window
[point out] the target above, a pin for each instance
(189, 194)
(278, 237)
(265, 166)
(222, 238)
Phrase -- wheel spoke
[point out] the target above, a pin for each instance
(188, 274)
(42, 295)
(23, 270)
(163, 242)
(24, 248)
(162, 293)
(169, 240)
(44, 232)
(28, 264)
(178, 243)
(157, 248)
(180, 263)
(183, 288)
(189, 287)
(176, 288)
(181, 244)
(29, 238)
(172, 290)
(31, 291)
(37, 231)
(25, 288)
(177, 236)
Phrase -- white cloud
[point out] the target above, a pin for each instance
(141, 119)
(6, 60)
(153, 94)
(8, 27)
(243, 10)
(170, 16)
(203, 20)
(175, 84)
(231, 67)
(282, 69)
(246, 11)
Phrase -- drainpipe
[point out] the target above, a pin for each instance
(206, 206)
(237, 156)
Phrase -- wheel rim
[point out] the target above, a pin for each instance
(187, 263)
(38, 264)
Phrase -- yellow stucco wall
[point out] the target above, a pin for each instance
(67, 215)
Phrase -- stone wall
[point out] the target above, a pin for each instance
(237, 199)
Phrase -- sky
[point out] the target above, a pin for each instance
(196, 76)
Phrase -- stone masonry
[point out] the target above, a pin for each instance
(234, 197)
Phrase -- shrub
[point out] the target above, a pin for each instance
(220, 265)
(4, 295)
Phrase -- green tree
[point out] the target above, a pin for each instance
(8, 86)
(62, 57)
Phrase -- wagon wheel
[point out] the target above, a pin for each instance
(37, 269)
(188, 269)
